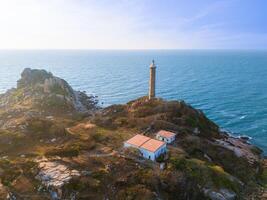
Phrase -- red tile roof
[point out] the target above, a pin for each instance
(152, 145)
(146, 143)
(166, 134)
(138, 140)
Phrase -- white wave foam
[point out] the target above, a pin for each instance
(243, 117)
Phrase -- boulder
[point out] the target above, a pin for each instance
(54, 176)
(221, 194)
(32, 77)
(39, 91)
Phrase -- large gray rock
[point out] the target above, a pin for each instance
(41, 89)
(54, 176)
(222, 194)
(32, 77)
(240, 148)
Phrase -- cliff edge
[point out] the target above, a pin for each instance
(41, 89)
(57, 143)
(40, 93)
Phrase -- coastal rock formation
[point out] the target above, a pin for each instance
(152, 115)
(39, 88)
(50, 149)
(207, 151)
(240, 149)
(39, 93)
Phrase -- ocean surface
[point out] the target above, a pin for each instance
(229, 86)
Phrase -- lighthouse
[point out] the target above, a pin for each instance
(152, 80)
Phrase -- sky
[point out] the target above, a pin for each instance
(133, 24)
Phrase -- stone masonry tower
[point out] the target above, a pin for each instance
(152, 80)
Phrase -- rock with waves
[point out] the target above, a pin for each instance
(218, 162)
(41, 119)
(39, 88)
(41, 93)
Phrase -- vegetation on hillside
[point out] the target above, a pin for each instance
(198, 165)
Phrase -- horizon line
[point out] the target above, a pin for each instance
(125, 49)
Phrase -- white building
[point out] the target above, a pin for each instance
(149, 148)
(166, 136)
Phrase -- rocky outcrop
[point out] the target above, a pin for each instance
(157, 114)
(40, 93)
(240, 148)
(227, 163)
(202, 163)
(55, 89)
(222, 194)
(31, 77)
(54, 176)
(38, 88)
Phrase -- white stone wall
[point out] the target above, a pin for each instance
(153, 155)
(164, 139)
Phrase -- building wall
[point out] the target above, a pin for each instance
(164, 139)
(153, 155)
(171, 139)
(147, 154)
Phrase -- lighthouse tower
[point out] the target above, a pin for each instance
(152, 80)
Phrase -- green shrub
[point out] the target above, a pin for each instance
(10, 172)
(42, 127)
(264, 178)
(160, 158)
(205, 174)
(63, 152)
(135, 192)
(191, 121)
(100, 174)
(256, 150)
(71, 150)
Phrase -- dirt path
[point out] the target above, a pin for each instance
(93, 155)
(102, 155)
(69, 131)
(115, 153)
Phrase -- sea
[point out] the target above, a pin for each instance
(230, 86)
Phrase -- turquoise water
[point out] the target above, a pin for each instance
(229, 86)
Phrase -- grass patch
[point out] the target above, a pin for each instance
(69, 150)
(205, 174)
(264, 178)
(45, 128)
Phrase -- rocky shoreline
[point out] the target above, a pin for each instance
(51, 139)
